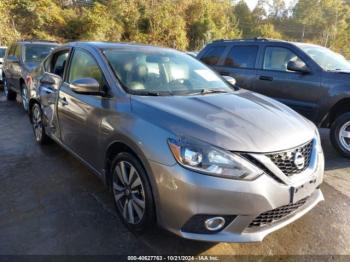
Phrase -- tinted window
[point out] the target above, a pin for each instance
(18, 51)
(12, 50)
(242, 56)
(277, 58)
(212, 57)
(84, 66)
(36, 53)
(59, 62)
(2, 52)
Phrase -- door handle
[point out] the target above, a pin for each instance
(266, 78)
(225, 73)
(63, 101)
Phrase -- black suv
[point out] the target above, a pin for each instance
(311, 79)
(21, 58)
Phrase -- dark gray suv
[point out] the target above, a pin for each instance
(311, 79)
(21, 58)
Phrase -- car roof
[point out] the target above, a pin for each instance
(251, 40)
(107, 45)
(38, 42)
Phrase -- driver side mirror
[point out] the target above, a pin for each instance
(230, 80)
(298, 66)
(87, 86)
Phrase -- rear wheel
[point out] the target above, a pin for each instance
(340, 134)
(38, 127)
(25, 97)
(132, 193)
(10, 95)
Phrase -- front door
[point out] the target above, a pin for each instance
(79, 114)
(300, 91)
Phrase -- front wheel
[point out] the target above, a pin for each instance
(38, 126)
(340, 134)
(132, 193)
(25, 97)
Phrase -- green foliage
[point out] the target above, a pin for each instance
(181, 24)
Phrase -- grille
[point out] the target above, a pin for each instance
(285, 160)
(276, 214)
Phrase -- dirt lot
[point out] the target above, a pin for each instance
(52, 204)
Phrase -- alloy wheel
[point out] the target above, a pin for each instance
(24, 95)
(129, 192)
(37, 123)
(344, 135)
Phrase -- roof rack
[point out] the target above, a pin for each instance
(244, 39)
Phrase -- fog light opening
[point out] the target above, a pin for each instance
(214, 223)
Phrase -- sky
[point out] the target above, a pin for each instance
(252, 3)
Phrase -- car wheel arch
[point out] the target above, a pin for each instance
(125, 145)
(340, 107)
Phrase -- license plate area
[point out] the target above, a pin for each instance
(300, 192)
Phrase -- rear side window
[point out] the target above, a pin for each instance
(242, 57)
(213, 56)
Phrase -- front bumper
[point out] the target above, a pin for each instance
(182, 194)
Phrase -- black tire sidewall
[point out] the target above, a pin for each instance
(23, 86)
(44, 138)
(148, 219)
(334, 133)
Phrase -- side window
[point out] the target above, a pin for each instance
(59, 62)
(277, 58)
(18, 51)
(12, 50)
(83, 65)
(242, 57)
(212, 57)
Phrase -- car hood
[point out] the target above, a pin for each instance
(242, 121)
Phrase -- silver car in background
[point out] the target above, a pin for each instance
(177, 144)
(2, 55)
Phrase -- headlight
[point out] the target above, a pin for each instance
(210, 160)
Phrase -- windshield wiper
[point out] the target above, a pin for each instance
(151, 93)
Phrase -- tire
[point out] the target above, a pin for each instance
(339, 129)
(10, 95)
(38, 126)
(129, 196)
(24, 97)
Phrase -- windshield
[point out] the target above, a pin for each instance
(327, 59)
(150, 70)
(37, 53)
(2, 52)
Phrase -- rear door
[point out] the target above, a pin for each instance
(300, 91)
(50, 83)
(239, 62)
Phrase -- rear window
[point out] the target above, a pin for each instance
(213, 56)
(37, 53)
(242, 57)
